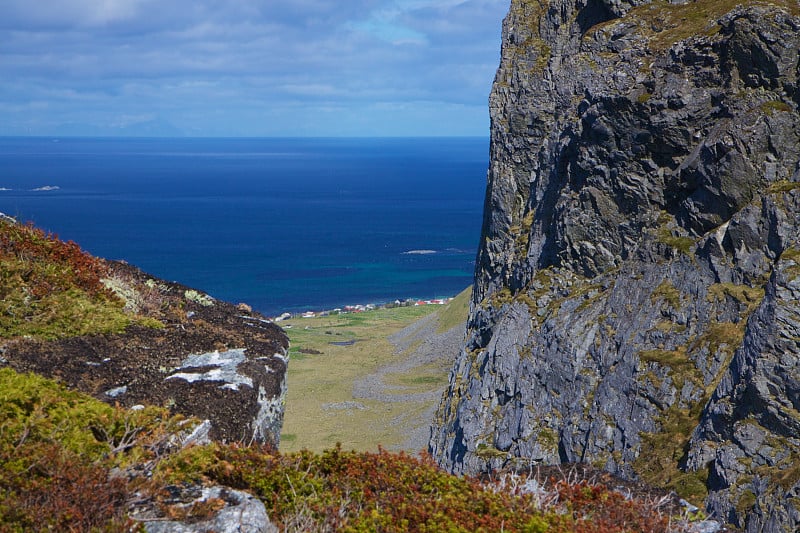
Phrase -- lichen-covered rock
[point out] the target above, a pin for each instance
(207, 510)
(644, 191)
(202, 357)
(234, 378)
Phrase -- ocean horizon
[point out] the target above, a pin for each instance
(283, 224)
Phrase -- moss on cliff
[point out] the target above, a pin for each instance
(663, 451)
(664, 24)
(783, 186)
(667, 292)
(528, 53)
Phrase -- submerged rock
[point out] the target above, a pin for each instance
(635, 300)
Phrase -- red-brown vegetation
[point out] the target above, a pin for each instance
(52, 264)
(356, 491)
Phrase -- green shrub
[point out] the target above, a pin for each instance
(360, 492)
(57, 449)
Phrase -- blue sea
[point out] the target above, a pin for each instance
(282, 224)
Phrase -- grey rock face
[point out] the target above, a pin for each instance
(643, 195)
(749, 434)
(249, 379)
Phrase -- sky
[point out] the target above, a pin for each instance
(246, 68)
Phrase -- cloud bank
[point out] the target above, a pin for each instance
(246, 67)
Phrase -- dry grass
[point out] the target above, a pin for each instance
(403, 389)
(320, 407)
(665, 24)
(456, 312)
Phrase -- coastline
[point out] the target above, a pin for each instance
(361, 308)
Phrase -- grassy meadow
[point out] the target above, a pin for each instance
(331, 355)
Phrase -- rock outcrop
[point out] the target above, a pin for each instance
(635, 298)
(230, 511)
(198, 356)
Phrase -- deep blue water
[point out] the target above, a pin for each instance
(282, 224)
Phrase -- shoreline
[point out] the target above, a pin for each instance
(361, 308)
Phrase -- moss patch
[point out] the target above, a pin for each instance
(791, 254)
(530, 54)
(35, 410)
(487, 452)
(666, 291)
(680, 243)
(663, 450)
(782, 186)
(682, 368)
(50, 289)
(786, 473)
(522, 233)
(745, 503)
(748, 297)
(664, 24)
(775, 106)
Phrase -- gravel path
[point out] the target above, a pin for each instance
(416, 345)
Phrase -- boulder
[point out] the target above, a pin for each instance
(205, 510)
(200, 357)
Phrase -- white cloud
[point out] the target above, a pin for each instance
(382, 26)
(311, 89)
(70, 13)
(106, 11)
(133, 58)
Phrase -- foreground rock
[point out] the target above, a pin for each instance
(635, 302)
(211, 359)
(226, 511)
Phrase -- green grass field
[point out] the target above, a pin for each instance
(329, 355)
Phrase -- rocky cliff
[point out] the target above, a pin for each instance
(636, 290)
(110, 330)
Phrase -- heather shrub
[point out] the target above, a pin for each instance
(57, 450)
(71, 463)
(53, 289)
(360, 492)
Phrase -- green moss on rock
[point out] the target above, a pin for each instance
(663, 451)
(666, 291)
(775, 106)
(680, 243)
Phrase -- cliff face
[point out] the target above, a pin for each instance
(635, 298)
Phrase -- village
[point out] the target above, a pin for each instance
(359, 308)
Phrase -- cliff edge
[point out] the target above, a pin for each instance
(636, 289)
(110, 330)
